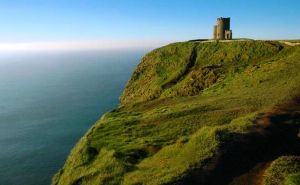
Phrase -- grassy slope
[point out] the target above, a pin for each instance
(284, 170)
(184, 103)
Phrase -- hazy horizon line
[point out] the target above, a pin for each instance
(80, 45)
(73, 45)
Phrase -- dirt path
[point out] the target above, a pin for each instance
(290, 43)
(283, 114)
(254, 177)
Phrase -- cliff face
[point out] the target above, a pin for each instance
(197, 113)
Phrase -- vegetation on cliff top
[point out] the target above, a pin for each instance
(186, 69)
(284, 170)
(195, 113)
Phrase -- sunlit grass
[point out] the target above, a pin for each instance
(158, 134)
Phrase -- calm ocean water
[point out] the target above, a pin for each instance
(48, 101)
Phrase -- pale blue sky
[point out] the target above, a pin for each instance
(143, 21)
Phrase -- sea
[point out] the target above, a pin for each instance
(48, 100)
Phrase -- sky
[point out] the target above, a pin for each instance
(93, 24)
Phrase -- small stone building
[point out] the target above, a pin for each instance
(222, 29)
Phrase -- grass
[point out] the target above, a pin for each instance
(174, 161)
(212, 62)
(293, 179)
(161, 132)
(284, 170)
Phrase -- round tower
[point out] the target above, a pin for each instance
(220, 28)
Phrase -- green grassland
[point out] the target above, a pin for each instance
(187, 108)
(284, 170)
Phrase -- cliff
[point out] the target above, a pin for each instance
(199, 113)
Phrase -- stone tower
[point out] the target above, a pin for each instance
(222, 29)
